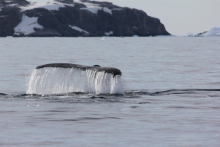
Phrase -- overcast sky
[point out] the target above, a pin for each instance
(179, 16)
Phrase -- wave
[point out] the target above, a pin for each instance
(3, 94)
(170, 92)
(129, 93)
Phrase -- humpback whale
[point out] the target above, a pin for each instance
(56, 78)
(110, 70)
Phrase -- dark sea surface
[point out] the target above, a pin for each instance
(171, 93)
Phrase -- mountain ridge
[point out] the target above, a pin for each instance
(66, 18)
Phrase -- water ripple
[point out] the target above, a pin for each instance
(86, 118)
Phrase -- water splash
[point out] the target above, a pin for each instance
(64, 80)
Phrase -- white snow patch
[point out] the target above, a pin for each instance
(189, 34)
(107, 10)
(135, 36)
(213, 32)
(7, 1)
(89, 4)
(4, 16)
(166, 36)
(12, 5)
(49, 6)
(117, 9)
(109, 33)
(94, 8)
(27, 25)
(79, 29)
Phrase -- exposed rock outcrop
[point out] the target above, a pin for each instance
(69, 18)
(200, 34)
(2, 2)
(10, 17)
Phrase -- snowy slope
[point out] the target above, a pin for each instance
(56, 5)
(78, 29)
(49, 6)
(213, 32)
(94, 8)
(27, 25)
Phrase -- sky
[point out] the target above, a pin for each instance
(178, 16)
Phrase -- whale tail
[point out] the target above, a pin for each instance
(110, 70)
(58, 78)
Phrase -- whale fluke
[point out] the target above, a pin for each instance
(2, 94)
(59, 78)
(110, 70)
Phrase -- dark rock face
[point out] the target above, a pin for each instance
(9, 18)
(2, 2)
(199, 34)
(77, 20)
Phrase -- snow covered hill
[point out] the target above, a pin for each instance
(212, 32)
(68, 18)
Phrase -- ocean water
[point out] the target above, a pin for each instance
(171, 93)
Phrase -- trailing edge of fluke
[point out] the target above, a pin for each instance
(110, 70)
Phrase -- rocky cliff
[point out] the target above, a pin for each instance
(69, 18)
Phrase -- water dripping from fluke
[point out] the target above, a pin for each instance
(60, 78)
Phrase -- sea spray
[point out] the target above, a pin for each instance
(64, 80)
